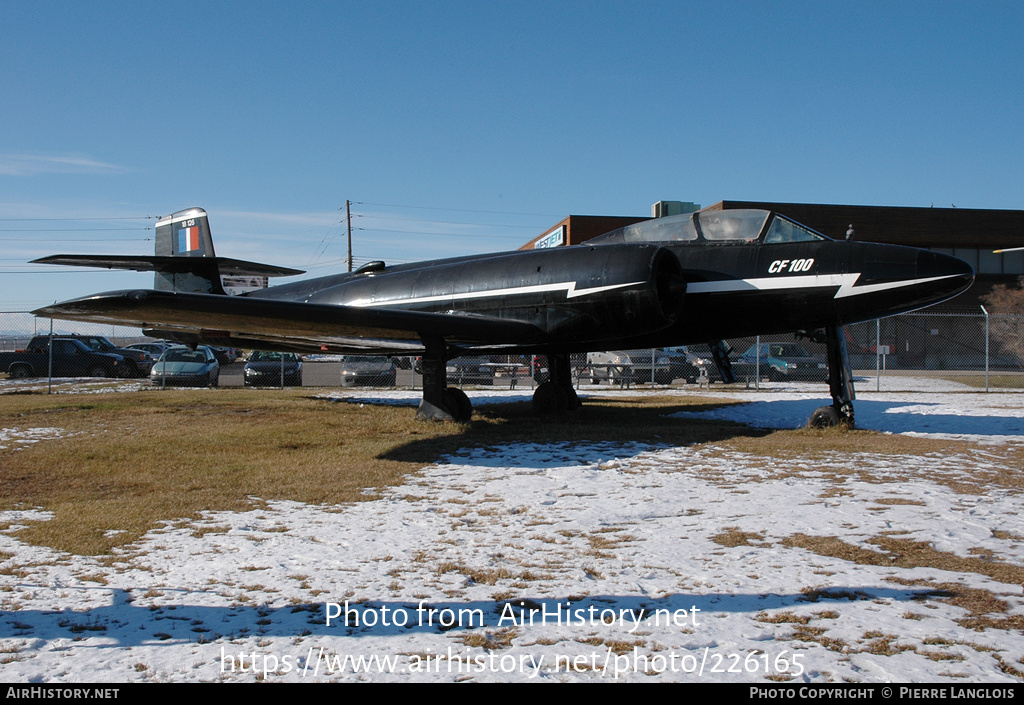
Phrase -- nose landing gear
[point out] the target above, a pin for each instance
(840, 384)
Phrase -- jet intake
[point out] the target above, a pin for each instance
(669, 283)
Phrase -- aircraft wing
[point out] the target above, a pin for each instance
(166, 263)
(298, 326)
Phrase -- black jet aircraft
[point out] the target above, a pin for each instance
(700, 277)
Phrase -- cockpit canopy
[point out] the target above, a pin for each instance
(732, 226)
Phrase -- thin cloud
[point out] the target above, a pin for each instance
(33, 164)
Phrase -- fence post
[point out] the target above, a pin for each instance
(986, 348)
(757, 364)
(49, 369)
(878, 344)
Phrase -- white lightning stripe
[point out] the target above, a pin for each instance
(845, 282)
(767, 283)
(569, 288)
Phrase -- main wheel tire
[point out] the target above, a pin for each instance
(97, 371)
(573, 399)
(824, 417)
(19, 372)
(459, 405)
(550, 399)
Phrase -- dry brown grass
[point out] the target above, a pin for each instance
(130, 461)
(904, 553)
(135, 460)
(731, 536)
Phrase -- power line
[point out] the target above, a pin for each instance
(454, 210)
(67, 230)
(71, 220)
(421, 232)
(78, 239)
(445, 222)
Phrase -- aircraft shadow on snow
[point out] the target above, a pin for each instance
(890, 416)
(123, 624)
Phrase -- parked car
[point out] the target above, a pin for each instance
(71, 358)
(225, 356)
(154, 350)
(624, 366)
(681, 364)
(785, 361)
(472, 369)
(263, 369)
(371, 370)
(180, 366)
(136, 363)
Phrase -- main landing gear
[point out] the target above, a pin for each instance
(441, 402)
(557, 395)
(840, 383)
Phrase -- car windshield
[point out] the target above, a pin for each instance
(98, 344)
(787, 350)
(266, 356)
(185, 355)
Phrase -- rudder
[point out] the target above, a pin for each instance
(186, 234)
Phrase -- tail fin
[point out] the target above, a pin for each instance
(184, 259)
(186, 234)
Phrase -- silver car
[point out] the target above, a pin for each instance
(182, 367)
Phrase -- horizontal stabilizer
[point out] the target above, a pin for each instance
(173, 264)
(295, 325)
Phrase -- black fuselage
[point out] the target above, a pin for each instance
(654, 295)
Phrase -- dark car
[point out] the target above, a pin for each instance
(264, 369)
(136, 362)
(681, 364)
(471, 369)
(154, 350)
(186, 368)
(371, 370)
(70, 357)
(786, 361)
(225, 356)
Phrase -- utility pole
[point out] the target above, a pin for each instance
(348, 217)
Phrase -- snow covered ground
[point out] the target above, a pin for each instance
(569, 562)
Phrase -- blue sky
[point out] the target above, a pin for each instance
(470, 127)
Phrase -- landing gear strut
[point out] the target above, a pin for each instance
(840, 384)
(557, 394)
(441, 402)
(720, 352)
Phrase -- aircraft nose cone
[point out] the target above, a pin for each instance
(952, 276)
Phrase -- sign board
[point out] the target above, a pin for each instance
(552, 239)
(241, 285)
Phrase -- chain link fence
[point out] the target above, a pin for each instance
(918, 352)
